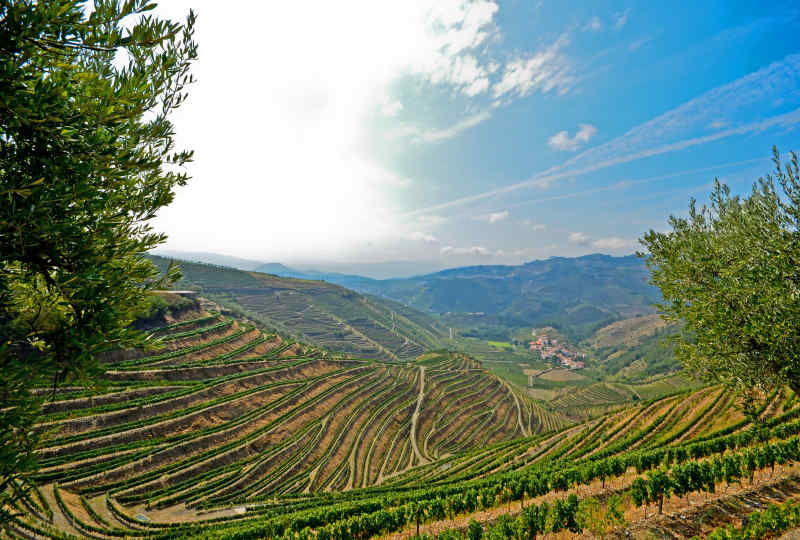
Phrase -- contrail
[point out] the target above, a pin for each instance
(776, 81)
(625, 183)
(785, 120)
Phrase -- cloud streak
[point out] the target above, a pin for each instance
(419, 135)
(612, 243)
(475, 251)
(578, 238)
(672, 131)
(546, 70)
(562, 140)
(594, 25)
(423, 237)
(494, 217)
(621, 19)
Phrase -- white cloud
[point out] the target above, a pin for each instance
(533, 225)
(493, 217)
(562, 140)
(578, 238)
(496, 217)
(516, 253)
(454, 28)
(621, 19)
(420, 135)
(423, 237)
(463, 72)
(378, 176)
(639, 43)
(545, 71)
(594, 24)
(543, 183)
(431, 220)
(476, 251)
(392, 108)
(612, 242)
(465, 24)
(675, 130)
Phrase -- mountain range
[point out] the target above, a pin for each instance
(577, 295)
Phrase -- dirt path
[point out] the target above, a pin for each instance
(525, 432)
(415, 416)
(60, 521)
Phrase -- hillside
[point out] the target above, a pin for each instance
(576, 294)
(633, 349)
(624, 362)
(230, 433)
(224, 414)
(316, 312)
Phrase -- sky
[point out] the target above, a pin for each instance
(442, 133)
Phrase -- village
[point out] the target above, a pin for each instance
(549, 349)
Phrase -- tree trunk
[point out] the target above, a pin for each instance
(417, 525)
(660, 504)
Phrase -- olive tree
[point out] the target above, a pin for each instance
(729, 274)
(87, 158)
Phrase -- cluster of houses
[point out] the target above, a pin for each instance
(549, 349)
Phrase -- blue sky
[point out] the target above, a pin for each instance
(473, 132)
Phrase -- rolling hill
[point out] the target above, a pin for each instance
(578, 294)
(224, 414)
(634, 348)
(227, 432)
(317, 312)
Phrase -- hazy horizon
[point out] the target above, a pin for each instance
(374, 270)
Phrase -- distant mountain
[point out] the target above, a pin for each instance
(578, 294)
(375, 270)
(345, 280)
(278, 269)
(318, 312)
(211, 258)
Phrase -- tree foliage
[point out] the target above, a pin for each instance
(87, 158)
(729, 273)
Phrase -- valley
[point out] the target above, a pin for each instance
(399, 270)
(230, 425)
(228, 430)
(577, 294)
(624, 361)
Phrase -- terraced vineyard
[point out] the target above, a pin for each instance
(225, 415)
(584, 402)
(227, 432)
(284, 439)
(317, 312)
